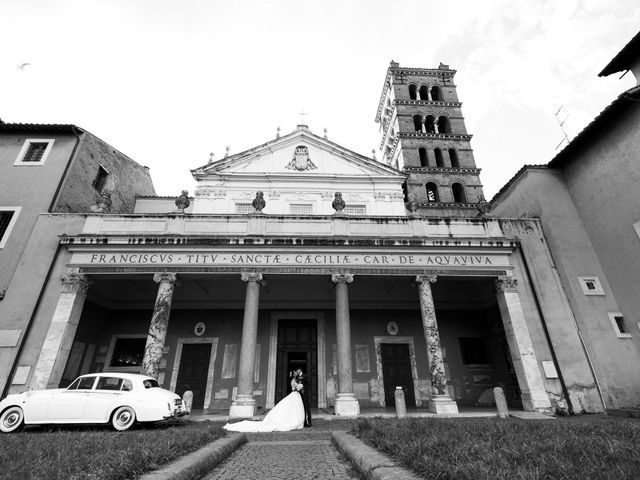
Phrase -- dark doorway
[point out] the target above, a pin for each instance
(192, 375)
(297, 348)
(396, 369)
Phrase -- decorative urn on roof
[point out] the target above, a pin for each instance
(259, 202)
(483, 207)
(103, 202)
(183, 202)
(411, 203)
(338, 203)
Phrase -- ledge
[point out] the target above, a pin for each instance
(370, 463)
(196, 464)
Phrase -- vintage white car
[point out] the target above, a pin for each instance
(117, 398)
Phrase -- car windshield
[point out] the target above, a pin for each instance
(149, 383)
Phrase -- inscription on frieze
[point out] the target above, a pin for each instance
(226, 258)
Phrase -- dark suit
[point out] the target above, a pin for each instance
(305, 400)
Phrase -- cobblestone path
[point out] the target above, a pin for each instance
(301, 455)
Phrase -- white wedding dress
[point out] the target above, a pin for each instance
(287, 415)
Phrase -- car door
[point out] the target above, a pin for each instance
(103, 397)
(67, 406)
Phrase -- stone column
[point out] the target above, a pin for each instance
(159, 324)
(532, 389)
(346, 403)
(62, 330)
(441, 401)
(244, 406)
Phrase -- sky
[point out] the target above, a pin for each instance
(169, 82)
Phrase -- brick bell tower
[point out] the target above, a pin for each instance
(424, 135)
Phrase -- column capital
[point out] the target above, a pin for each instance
(426, 278)
(342, 277)
(251, 277)
(165, 277)
(505, 284)
(75, 283)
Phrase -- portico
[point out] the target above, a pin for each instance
(243, 295)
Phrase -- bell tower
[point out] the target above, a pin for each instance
(424, 135)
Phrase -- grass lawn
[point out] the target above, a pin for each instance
(97, 452)
(567, 448)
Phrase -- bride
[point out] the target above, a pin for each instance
(287, 415)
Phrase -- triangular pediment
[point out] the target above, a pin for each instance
(300, 153)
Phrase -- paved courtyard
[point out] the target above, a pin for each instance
(301, 454)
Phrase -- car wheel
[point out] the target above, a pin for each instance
(123, 418)
(12, 420)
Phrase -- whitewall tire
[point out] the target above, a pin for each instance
(12, 420)
(123, 418)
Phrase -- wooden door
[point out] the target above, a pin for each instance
(194, 367)
(396, 370)
(297, 348)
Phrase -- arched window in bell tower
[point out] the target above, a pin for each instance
(412, 92)
(444, 126)
(432, 192)
(439, 158)
(424, 92)
(417, 123)
(458, 193)
(429, 124)
(453, 156)
(436, 94)
(424, 159)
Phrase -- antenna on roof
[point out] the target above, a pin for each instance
(561, 125)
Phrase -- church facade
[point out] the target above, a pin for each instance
(300, 253)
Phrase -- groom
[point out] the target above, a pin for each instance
(302, 379)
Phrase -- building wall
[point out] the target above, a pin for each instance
(35, 289)
(30, 187)
(126, 178)
(603, 183)
(543, 193)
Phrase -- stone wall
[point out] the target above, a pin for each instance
(126, 178)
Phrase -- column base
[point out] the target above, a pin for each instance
(442, 405)
(244, 406)
(346, 405)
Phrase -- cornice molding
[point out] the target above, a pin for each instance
(439, 205)
(423, 71)
(427, 102)
(435, 136)
(441, 170)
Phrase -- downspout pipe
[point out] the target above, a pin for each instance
(576, 326)
(27, 329)
(563, 385)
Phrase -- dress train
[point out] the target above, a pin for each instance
(287, 415)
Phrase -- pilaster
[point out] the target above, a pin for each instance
(62, 330)
(532, 390)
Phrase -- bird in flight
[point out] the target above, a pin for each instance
(23, 65)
